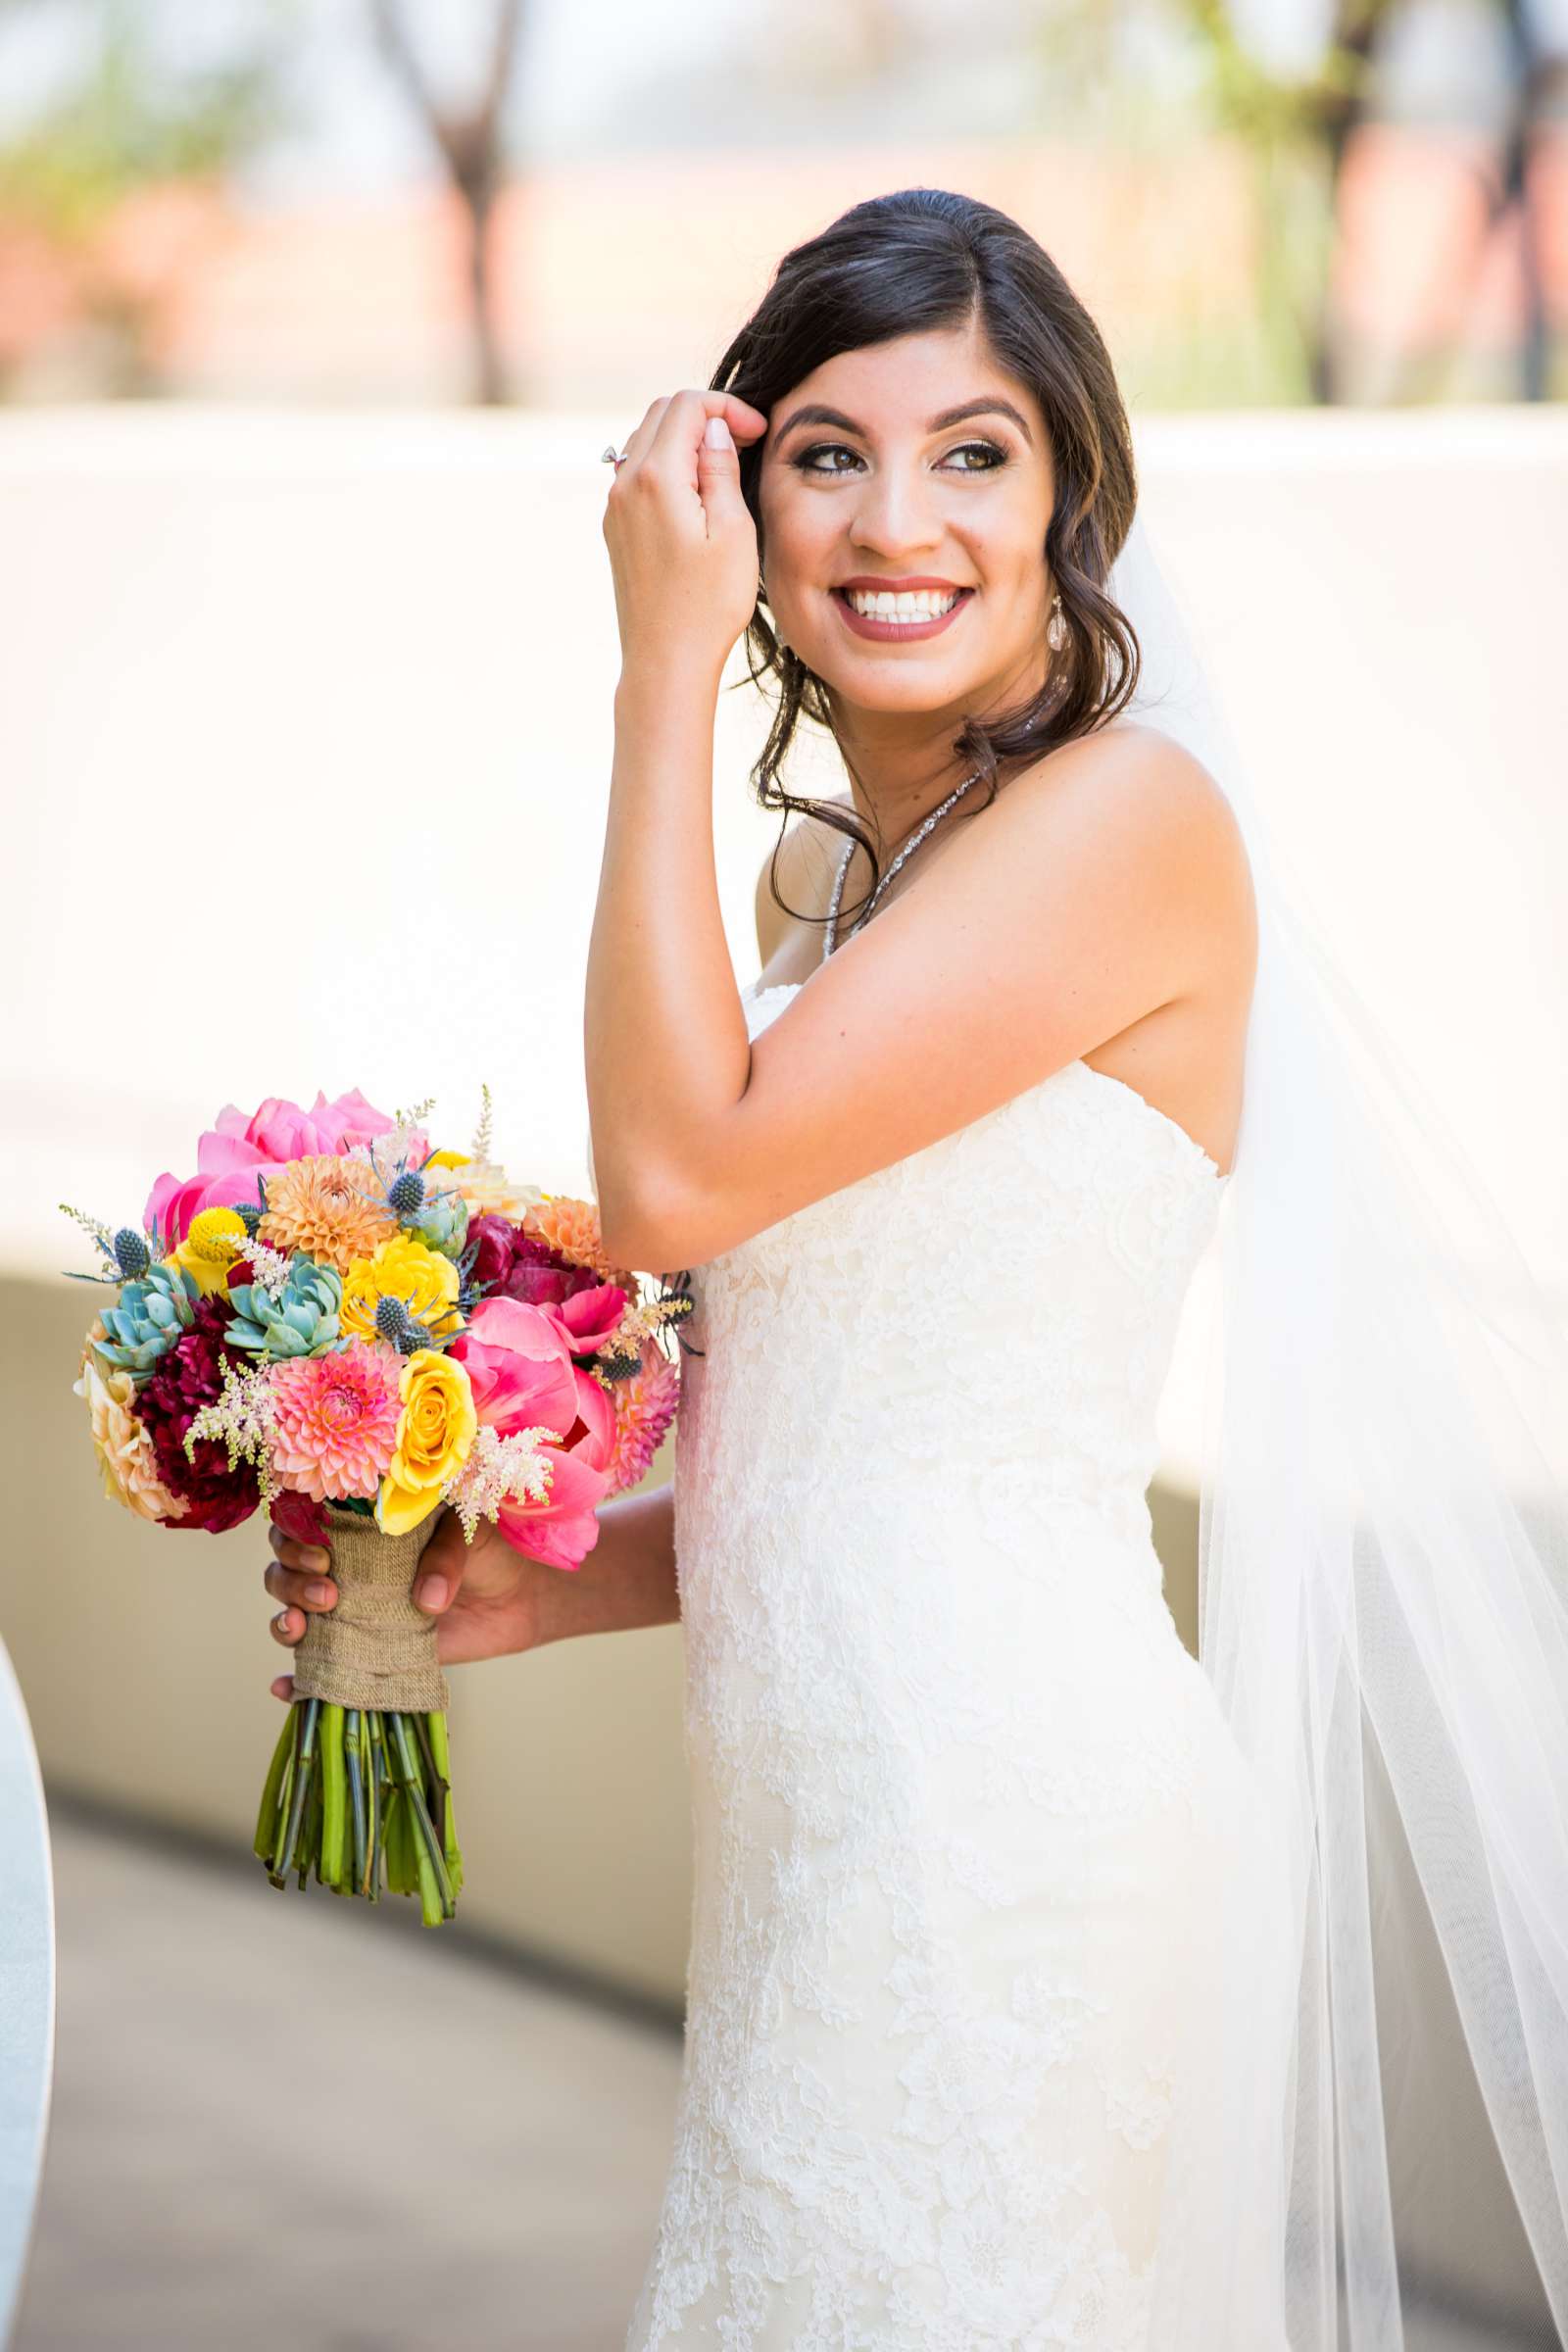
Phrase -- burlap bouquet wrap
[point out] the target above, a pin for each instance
(374, 1648)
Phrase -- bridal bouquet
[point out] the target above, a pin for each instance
(336, 1323)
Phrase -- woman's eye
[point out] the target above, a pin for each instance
(985, 449)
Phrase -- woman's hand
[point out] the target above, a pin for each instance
(682, 543)
(493, 1603)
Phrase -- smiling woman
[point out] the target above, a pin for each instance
(1031, 1991)
(943, 617)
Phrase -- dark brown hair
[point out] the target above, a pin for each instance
(906, 264)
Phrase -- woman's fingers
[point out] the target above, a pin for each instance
(283, 1688)
(674, 422)
(441, 1569)
(299, 1587)
(693, 406)
(679, 433)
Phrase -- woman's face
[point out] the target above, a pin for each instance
(883, 494)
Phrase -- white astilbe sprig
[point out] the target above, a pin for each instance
(500, 1470)
(269, 1267)
(244, 1418)
(94, 1225)
(479, 1148)
(398, 1143)
(643, 1321)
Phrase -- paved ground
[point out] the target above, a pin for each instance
(228, 2171)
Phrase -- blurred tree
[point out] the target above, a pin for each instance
(1300, 123)
(131, 128)
(471, 142)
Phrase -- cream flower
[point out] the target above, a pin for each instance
(125, 1454)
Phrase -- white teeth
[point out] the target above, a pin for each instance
(906, 604)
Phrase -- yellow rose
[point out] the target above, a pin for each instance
(403, 1268)
(435, 1430)
(216, 1238)
(448, 1159)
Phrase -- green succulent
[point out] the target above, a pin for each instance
(441, 1223)
(300, 1319)
(152, 1312)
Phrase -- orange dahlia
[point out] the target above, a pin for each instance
(319, 1205)
(571, 1227)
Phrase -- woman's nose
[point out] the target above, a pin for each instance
(894, 515)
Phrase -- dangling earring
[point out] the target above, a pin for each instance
(1055, 627)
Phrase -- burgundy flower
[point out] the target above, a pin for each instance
(187, 1376)
(513, 1264)
(299, 1517)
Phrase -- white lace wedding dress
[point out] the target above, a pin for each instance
(961, 1798)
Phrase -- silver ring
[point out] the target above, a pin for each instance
(612, 457)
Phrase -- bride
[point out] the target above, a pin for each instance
(1032, 1999)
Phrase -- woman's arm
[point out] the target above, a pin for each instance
(664, 1031)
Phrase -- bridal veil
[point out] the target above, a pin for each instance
(1382, 1604)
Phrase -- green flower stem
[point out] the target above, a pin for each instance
(352, 1758)
(377, 1811)
(354, 1792)
(422, 1838)
(265, 1841)
(437, 1726)
(305, 1758)
(334, 1793)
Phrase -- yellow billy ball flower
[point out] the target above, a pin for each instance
(216, 1237)
(403, 1268)
(435, 1430)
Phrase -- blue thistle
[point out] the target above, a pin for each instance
(131, 1254)
(405, 1331)
(127, 1255)
(437, 1217)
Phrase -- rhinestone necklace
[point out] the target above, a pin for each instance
(830, 933)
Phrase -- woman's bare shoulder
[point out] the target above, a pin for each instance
(801, 863)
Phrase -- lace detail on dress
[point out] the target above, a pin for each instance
(958, 1788)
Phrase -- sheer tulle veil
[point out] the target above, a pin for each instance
(1384, 1622)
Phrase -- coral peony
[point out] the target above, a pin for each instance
(237, 1150)
(523, 1378)
(325, 1206)
(337, 1420)
(125, 1454)
(644, 1406)
(187, 1376)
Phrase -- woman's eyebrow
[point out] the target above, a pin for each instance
(987, 406)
